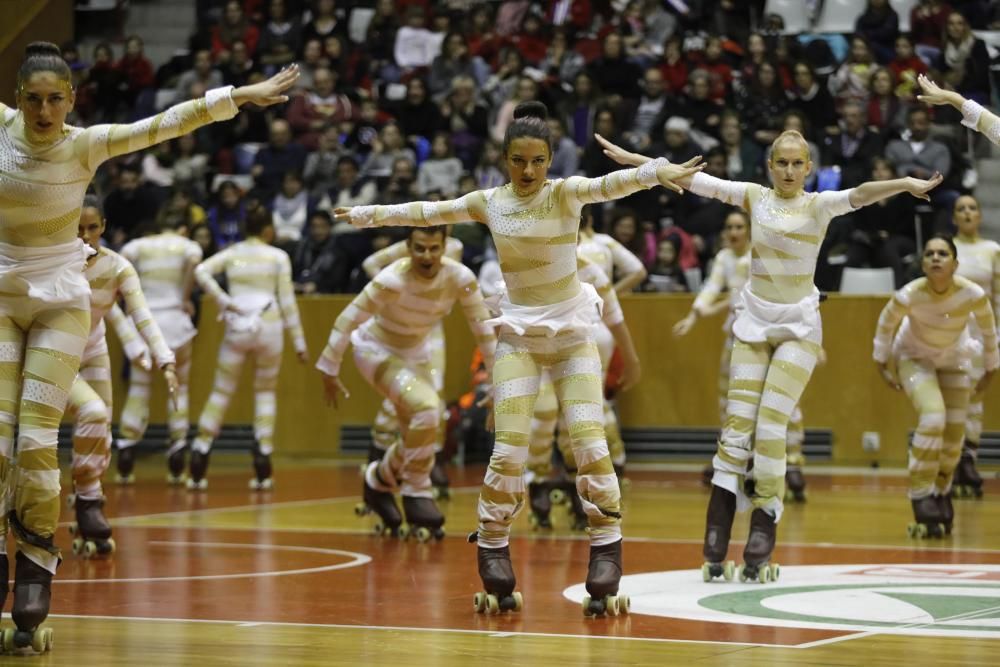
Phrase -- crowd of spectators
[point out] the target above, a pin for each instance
(402, 100)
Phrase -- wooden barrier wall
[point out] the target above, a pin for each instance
(678, 386)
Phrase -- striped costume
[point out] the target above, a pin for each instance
(165, 264)
(777, 331)
(262, 304)
(926, 335)
(110, 276)
(390, 325)
(979, 261)
(545, 323)
(45, 308)
(385, 430)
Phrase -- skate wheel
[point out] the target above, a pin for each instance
(110, 546)
(611, 605)
(518, 601)
(71, 500)
(77, 546)
(73, 528)
(764, 575)
(557, 496)
(89, 549)
(492, 604)
(435, 493)
(586, 606)
(729, 570)
(743, 574)
(379, 530)
(706, 572)
(403, 533)
(124, 480)
(775, 571)
(624, 604)
(479, 602)
(422, 534)
(192, 485)
(41, 640)
(7, 640)
(361, 509)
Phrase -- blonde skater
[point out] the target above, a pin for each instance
(546, 416)
(923, 347)
(385, 428)
(730, 272)
(979, 261)
(777, 338)
(545, 322)
(390, 325)
(45, 302)
(258, 308)
(110, 277)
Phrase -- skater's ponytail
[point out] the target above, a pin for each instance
(530, 120)
(43, 57)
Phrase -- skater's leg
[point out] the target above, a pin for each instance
(55, 344)
(577, 373)
(11, 354)
(788, 374)
(91, 454)
(747, 373)
(725, 362)
(135, 415)
(974, 415)
(177, 412)
(516, 381)
(267, 366)
(955, 390)
(543, 426)
(385, 429)
(795, 439)
(227, 374)
(920, 382)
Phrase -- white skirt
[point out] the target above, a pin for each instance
(53, 274)
(760, 321)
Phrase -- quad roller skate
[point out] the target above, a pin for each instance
(947, 512)
(262, 480)
(603, 575)
(384, 505)
(126, 465)
(718, 526)
(757, 553)
(198, 469)
(92, 532)
(541, 505)
(175, 467)
(795, 486)
(423, 517)
(928, 520)
(967, 483)
(498, 579)
(439, 478)
(32, 591)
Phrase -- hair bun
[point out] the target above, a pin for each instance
(531, 110)
(42, 49)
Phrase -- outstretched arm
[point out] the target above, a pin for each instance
(140, 316)
(476, 314)
(417, 214)
(974, 116)
(888, 322)
(730, 192)
(366, 305)
(628, 266)
(873, 191)
(101, 142)
(383, 258)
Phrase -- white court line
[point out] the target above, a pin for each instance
(358, 560)
(967, 616)
(400, 628)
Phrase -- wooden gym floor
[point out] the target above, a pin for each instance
(292, 577)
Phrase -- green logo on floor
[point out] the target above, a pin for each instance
(950, 600)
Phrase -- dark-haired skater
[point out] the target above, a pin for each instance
(45, 303)
(546, 321)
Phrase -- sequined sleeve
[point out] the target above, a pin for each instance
(286, 300)
(892, 314)
(471, 207)
(623, 260)
(375, 296)
(101, 142)
(132, 343)
(205, 274)
(476, 314)
(579, 190)
(140, 315)
(987, 324)
(976, 117)
(713, 286)
(383, 258)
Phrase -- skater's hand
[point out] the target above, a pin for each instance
(268, 92)
(889, 377)
(631, 373)
(170, 375)
(683, 328)
(188, 308)
(984, 381)
(934, 94)
(302, 356)
(619, 154)
(487, 402)
(919, 187)
(332, 387)
(676, 172)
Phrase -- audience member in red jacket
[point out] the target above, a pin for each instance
(311, 113)
(674, 67)
(234, 27)
(136, 69)
(905, 68)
